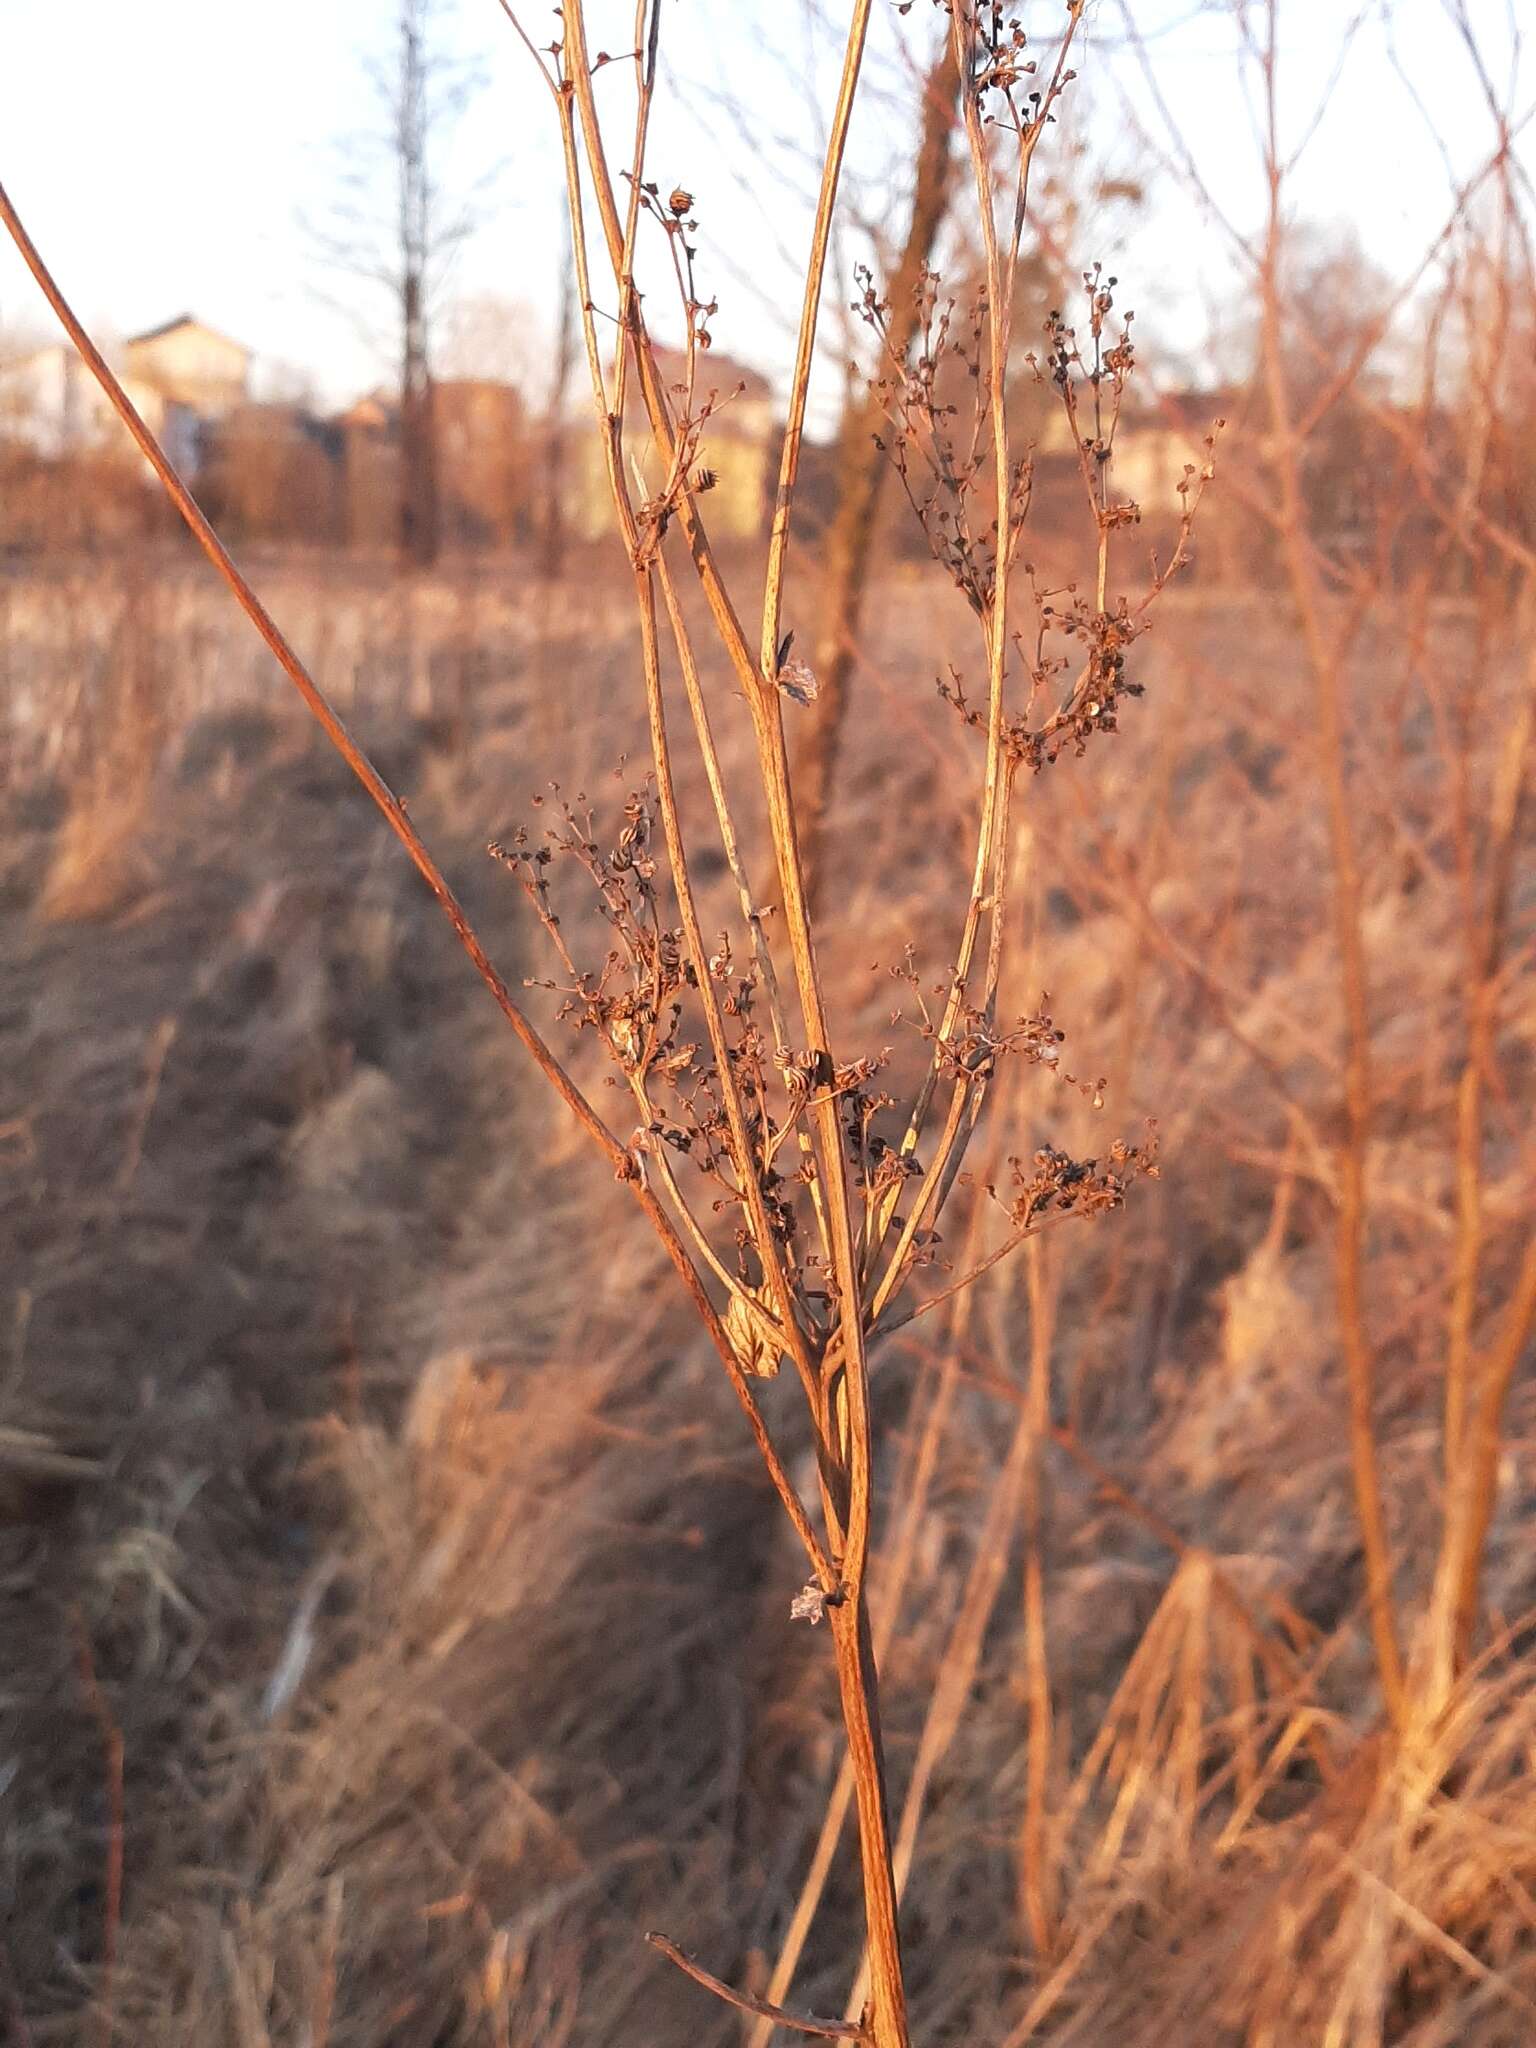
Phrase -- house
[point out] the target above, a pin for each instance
(178, 376)
(1154, 449)
(736, 446)
(483, 463)
(201, 376)
(1153, 445)
(191, 365)
(482, 459)
(51, 404)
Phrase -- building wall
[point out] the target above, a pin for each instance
(33, 396)
(736, 508)
(483, 460)
(193, 365)
(1148, 466)
(51, 403)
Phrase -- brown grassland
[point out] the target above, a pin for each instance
(431, 1591)
(402, 1624)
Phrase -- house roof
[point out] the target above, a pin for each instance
(184, 320)
(374, 409)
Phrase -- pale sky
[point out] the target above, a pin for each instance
(163, 153)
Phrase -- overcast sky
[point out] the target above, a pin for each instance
(164, 154)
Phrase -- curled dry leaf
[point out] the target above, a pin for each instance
(758, 1358)
(797, 681)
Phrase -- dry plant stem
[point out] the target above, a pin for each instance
(849, 1617)
(731, 845)
(762, 699)
(577, 84)
(1009, 1244)
(992, 833)
(992, 828)
(888, 1594)
(862, 467)
(160, 1040)
(971, 1088)
(610, 424)
(324, 2003)
(763, 703)
(1473, 1451)
(762, 954)
(1487, 946)
(1475, 1492)
(1037, 1877)
(1325, 661)
(395, 816)
(805, 346)
(645, 89)
(766, 1243)
(961, 1656)
(826, 2030)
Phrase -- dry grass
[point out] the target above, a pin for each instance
(415, 1604)
(439, 1685)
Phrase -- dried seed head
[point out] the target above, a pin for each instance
(809, 1604)
(680, 202)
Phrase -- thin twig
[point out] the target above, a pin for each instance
(799, 2023)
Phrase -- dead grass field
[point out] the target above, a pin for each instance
(367, 1490)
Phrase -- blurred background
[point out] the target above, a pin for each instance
(396, 1610)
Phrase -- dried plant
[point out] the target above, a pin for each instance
(104, 855)
(803, 1199)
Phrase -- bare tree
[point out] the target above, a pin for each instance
(403, 247)
(420, 516)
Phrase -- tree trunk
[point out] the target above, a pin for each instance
(420, 511)
(420, 516)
